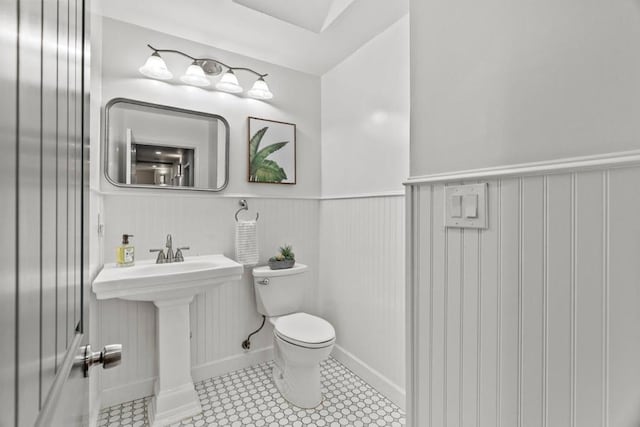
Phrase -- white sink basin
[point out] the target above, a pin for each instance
(148, 281)
(171, 287)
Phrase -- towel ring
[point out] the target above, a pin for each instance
(244, 206)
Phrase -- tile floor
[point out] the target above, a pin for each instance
(249, 398)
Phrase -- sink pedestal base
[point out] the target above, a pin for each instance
(175, 396)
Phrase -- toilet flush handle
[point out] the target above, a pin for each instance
(263, 282)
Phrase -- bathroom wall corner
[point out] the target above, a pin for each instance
(96, 250)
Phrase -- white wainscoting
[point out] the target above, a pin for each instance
(536, 320)
(220, 318)
(361, 287)
(361, 290)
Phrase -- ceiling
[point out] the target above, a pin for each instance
(306, 35)
(314, 15)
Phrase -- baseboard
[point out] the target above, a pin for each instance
(127, 392)
(232, 363)
(381, 383)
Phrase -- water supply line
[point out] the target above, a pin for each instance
(246, 344)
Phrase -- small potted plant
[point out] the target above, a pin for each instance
(283, 259)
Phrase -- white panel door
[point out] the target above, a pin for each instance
(43, 184)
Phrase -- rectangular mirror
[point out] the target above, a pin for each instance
(156, 146)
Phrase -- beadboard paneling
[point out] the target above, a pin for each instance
(361, 286)
(621, 296)
(222, 317)
(533, 321)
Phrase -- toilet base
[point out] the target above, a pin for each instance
(299, 386)
(296, 372)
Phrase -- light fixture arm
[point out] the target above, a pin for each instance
(206, 59)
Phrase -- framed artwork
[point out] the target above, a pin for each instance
(272, 151)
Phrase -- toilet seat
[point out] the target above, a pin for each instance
(304, 330)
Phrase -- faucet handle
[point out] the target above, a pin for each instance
(161, 259)
(178, 256)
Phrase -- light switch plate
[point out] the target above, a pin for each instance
(472, 202)
(456, 206)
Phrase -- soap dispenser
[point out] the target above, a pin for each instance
(125, 253)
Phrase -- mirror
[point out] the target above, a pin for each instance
(157, 146)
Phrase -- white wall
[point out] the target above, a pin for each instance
(221, 318)
(296, 100)
(533, 321)
(365, 143)
(361, 287)
(501, 82)
(356, 116)
(365, 117)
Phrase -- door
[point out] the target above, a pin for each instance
(43, 188)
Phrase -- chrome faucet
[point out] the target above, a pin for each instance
(169, 246)
(170, 257)
(161, 259)
(179, 257)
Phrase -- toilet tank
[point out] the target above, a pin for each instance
(279, 292)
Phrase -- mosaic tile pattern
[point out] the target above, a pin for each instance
(133, 414)
(249, 398)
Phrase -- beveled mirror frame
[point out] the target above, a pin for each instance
(105, 142)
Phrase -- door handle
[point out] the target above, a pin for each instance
(109, 357)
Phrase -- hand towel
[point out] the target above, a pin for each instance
(247, 242)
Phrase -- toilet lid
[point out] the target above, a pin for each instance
(303, 328)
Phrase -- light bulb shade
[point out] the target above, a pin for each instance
(195, 76)
(260, 90)
(229, 83)
(156, 68)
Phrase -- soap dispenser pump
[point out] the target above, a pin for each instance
(125, 253)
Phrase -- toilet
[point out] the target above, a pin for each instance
(301, 341)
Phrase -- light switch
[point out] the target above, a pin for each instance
(466, 206)
(456, 206)
(470, 205)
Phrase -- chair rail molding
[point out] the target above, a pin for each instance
(548, 167)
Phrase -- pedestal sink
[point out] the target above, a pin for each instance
(171, 287)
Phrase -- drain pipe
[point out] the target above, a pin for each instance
(246, 344)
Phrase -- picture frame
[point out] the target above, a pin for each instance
(272, 152)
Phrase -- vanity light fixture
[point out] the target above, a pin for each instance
(195, 75)
(198, 73)
(229, 83)
(156, 68)
(260, 90)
